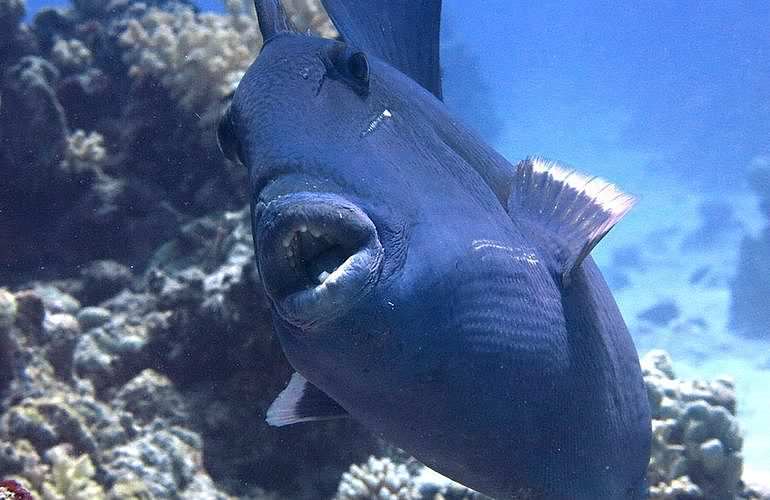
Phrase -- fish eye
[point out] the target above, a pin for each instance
(358, 66)
(226, 139)
(349, 65)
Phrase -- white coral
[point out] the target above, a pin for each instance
(309, 15)
(696, 442)
(377, 479)
(681, 487)
(199, 58)
(71, 54)
(8, 309)
(71, 477)
(85, 151)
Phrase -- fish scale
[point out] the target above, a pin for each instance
(495, 304)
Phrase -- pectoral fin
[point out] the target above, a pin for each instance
(301, 401)
(565, 212)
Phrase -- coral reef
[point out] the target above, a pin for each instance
(309, 15)
(71, 55)
(89, 142)
(696, 438)
(121, 368)
(750, 289)
(63, 440)
(7, 309)
(384, 478)
(199, 58)
(377, 478)
(119, 100)
(71, 477)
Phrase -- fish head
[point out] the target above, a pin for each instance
(356, 198)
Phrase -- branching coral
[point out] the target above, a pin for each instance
(85, 151)
(384, 479)
(71, 477)
(198, 58)
(309, 15)
(379, 478)
(696, 440)
(72, 55)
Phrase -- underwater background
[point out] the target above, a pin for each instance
(136, 354)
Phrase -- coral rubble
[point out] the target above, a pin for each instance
(121, 369)
(65, 441)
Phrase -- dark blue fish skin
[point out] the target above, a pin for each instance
(462, 347)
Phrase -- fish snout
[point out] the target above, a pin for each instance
(317, 254)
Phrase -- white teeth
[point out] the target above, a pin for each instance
(292, 244)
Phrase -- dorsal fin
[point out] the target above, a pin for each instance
(272, 19)
(404, 33)
(565, 212)
(301, 401)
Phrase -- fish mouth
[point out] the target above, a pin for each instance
(317, 253)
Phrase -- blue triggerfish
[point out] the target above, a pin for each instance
(422, 284)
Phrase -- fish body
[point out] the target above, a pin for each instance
(422, 284)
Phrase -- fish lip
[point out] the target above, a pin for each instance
(342, 225)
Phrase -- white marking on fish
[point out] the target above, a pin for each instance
(386, 114)
(518, 254)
